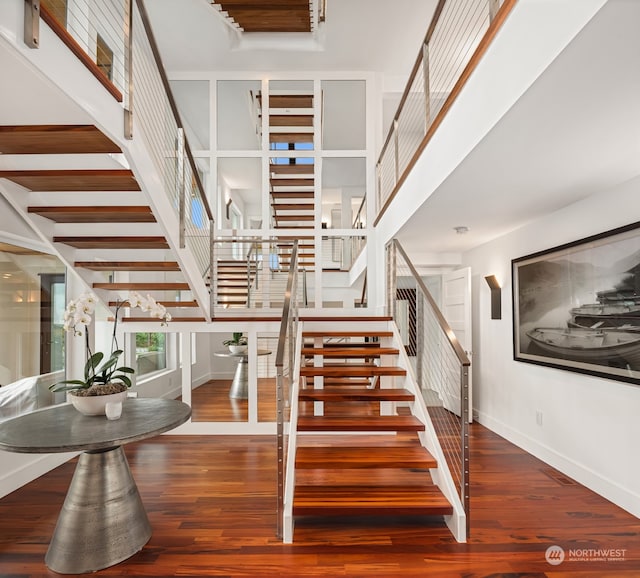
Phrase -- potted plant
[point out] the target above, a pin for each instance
(237, 344)
(103, 381)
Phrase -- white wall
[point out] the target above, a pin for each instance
(590, 425)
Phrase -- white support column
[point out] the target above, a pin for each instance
(185, 355)
(253, 377)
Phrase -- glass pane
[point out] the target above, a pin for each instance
(194, 104)
(32, 301)
(344, 115)
(238, 115)
(239, 191)
(151, 352)
(343, 188)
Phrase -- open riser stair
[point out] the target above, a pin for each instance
(98, 219)
(357, 443)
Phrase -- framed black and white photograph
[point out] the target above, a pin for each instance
(577, 306)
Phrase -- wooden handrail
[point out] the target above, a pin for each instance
(489, 35)
(442, 322)
(80, 53)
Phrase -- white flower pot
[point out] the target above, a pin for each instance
(95, 404)
(237, 348)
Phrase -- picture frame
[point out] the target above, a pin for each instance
(576, 307)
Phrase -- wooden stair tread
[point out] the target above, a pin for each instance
(362, 500)
(55, 139)
(292, 182)
(128, 265)
(96, 214)
(349, 351)
(337, 393)
(288, 100)
(346, 318)
(293, 218)
(293, 206)
(292, 195)
(360, 423)
(352, 370)
(291, 119)
(141, 286)
(354, 333)
(291, 137)
(364, 457)
(292, 169)
(168, 304)
(74, 180)
(102, 242)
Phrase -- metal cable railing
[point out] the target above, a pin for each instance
(452, 40)
(285, 374)
(114, 39)
(440, 365)
(250, 274)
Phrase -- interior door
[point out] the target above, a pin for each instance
(456, 308)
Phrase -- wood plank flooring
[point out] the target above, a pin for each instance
(211, 502)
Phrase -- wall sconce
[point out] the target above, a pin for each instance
(227, 206)
(496, 297)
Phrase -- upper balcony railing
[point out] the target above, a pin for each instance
(458, 36)
(114, 40)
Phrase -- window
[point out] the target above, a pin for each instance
(151, 352)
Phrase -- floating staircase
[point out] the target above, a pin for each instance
(98, 219)
(351, 386)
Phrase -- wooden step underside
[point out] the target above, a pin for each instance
(352, 370)
(346, 351)
(360, 423)
(74, 180)
(370, 501)
(54, 139)
(142, 286)
(293, 182)
(288, 100)
(364, 457)
(292, 169)
(333, 393)
(95, 214)
(128, 265)
(113, 242)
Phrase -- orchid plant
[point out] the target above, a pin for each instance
(77, 318)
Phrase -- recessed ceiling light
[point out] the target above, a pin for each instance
(461, 230)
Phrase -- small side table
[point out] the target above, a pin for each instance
(103, 520)
(240, 384)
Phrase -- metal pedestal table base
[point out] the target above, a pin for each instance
(240, 384)
(103, 520)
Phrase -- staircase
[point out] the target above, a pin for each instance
(359, 435)
(98, 219)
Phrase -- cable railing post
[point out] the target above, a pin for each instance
(427, 86)
(128, 68)
(180, 186)
(464, 436)
(211, 271)
(32, 23)
(419, 336)
(378, 186)
(494, 6)
(396, 151)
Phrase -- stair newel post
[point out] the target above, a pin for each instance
(464, 438)
(180, 153)
(391, 278)
(212, 277)
(128, 68)
(419, 335)
(427, 86)
(396, 151)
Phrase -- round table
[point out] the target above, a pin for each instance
(240, 384)
(103, 520)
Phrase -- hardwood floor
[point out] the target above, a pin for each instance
(211, 503)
